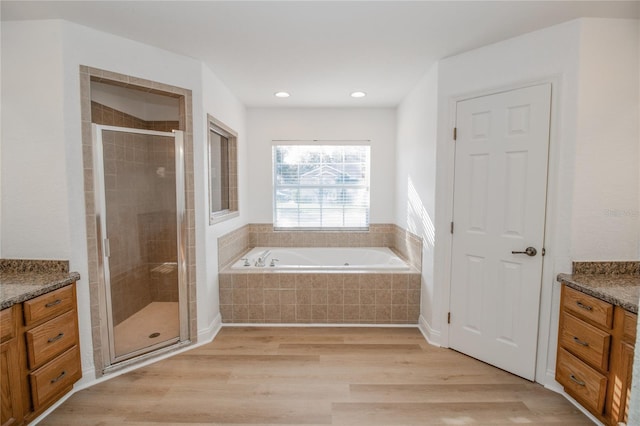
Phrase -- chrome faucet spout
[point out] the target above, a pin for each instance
(262, 258)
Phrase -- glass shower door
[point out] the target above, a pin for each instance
(142, 192)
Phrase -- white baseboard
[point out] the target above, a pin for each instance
(431, 336)
(208, 334)
(315, 324)
(550, 382)
(582, 409)
(53, 407)
(88, 377)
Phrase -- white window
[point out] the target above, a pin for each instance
(223, 175)
(321, 186)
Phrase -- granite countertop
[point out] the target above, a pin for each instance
(22, 280)
(615, 282)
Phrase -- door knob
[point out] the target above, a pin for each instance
(529, 251)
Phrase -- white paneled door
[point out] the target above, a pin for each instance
(499, 207)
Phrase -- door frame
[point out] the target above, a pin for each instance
(546, 334)
(86, 230)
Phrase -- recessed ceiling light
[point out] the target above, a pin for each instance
(282, 94)
(358, 95)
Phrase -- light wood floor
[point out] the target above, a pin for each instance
(317, 376)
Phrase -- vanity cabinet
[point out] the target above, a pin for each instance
(53, 353)
(595, 354)
(41, 362)
(10, 385)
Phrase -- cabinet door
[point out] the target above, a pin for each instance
(622, 384)
(11, 394)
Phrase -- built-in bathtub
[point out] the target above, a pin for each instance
(321, 258)
(340, 285)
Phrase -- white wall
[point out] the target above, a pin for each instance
(219, 102)
(634, 402)
(605, 218)
(569, 57)
(35, 213)
(375, 124)
(43, 193)
(416, 180)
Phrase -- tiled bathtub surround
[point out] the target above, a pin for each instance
(282, 297)
(232, 245)
(329, 297)
(235, 243)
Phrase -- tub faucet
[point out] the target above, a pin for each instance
(273, 262)
(262, 258)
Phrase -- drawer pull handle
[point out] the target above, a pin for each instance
(58, 337)
(54, 303)
(578, 382)
(580, 342)
(585, 307)
(64, 373)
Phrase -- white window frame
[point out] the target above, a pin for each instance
(221, 129)
(320, 143)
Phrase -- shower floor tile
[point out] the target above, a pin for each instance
(157, 317)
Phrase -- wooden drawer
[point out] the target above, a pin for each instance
(49, 305)
(55, 378)
(7, 324)
(580, 381)
(629, 325)
(587, 307)
(587, 342)
(50, 339)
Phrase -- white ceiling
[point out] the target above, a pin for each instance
(319, 51)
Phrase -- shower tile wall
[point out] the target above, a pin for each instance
(102, 114)
(130, 285)
(140, 196)
(159, 226)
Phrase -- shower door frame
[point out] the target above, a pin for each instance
(108, 342)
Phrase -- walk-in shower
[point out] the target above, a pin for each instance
(139, 181)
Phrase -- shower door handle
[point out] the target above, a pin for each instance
(107, 248)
